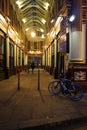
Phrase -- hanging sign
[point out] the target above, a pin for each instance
(63, 35)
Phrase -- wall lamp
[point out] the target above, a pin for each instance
(71, 18)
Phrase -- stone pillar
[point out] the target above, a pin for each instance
(55, 56)
(76, 32)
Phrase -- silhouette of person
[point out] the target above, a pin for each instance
(32, 66)
(29, 65)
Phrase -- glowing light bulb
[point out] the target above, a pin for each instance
(33, 34)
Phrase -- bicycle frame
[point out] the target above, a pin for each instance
(64, 85)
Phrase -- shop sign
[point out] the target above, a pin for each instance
(63, 35)
(80, 75)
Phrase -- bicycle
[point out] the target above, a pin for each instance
(66, 86)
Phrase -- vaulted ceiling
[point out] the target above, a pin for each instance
(34, 15)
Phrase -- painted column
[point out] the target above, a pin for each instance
(25, 59)
(76, 33)
(50, 56)
(46, 57)
(15, 56)
(55, 58)
(84, 42)
(21, 58)
(7, 57)
(7, 44)
(55, 53)
(43, 60)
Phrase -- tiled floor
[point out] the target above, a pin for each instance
(29, 107)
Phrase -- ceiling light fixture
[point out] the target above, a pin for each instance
(24, 20)
(41, 30)
(52, 20)
(33, 34)
(26, 29)
(46, 5)
(43, 21)
(18, 3)
(43, 36)
(71, 18)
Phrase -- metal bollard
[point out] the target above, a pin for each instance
(38, 79)
(18, 80)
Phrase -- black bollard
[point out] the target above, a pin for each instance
(38, 79)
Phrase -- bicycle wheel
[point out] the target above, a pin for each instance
(76, 92)
(50, 87)
(54, 87)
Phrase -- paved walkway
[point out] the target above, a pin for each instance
(29, 107)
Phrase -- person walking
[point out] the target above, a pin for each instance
(32, 66)
(28, 67)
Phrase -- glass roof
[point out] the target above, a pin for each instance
(33, 14)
